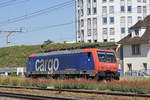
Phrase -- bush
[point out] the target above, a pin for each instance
(6, 81)
(14, 82)
(13, 74)
(126, 89)
(143, 90)
(115, 87)
(103, 87)
(140, 86)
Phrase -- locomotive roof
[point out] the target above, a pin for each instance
(57, 52)
(65, 52)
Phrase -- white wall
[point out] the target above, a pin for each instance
(117, 14)
(136, 60)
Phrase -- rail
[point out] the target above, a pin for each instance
(33, 96)
(113, 93)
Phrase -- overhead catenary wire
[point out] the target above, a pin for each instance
(37, 13)
(53, 26)
(63, 24)
(11, 2)
(57, 25)
(7, 2)
(46, 10)
(50, 26)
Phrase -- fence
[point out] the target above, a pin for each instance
(138, 73)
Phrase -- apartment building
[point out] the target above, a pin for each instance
(108, 20)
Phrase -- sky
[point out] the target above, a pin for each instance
(39, 28)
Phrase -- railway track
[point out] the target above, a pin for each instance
(113, 93)
(34, 97)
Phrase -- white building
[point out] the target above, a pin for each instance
(136, 47)
(107, 20)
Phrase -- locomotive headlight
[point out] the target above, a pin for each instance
(101, 68)
(114, 68)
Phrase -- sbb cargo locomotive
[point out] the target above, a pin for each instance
(89, 63)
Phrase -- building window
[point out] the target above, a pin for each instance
(95, 26)
(82, 23)
(129, 67)
(145, 67)
(112, 40)
(122, 30)
(89, 32)
(89, 27)
(138, 0)
(94, 0)
(82, 13)
(104, 20)
(94, 10)
(111, 0)
(104, 1)
(78, 34)
(89, 23)
(94, 23)
(111, 20)
(112, 31)
(136, 49)
(139, 18)
(88, 11)
(104, 10)
(95, 31)
(78, 12)
(89, 41)
(144, 9)
(137, 32)
(95, 40)
(122, 20)
(122, 8)
(81, 4)
(105, 40)
(89, 1)
(78, 3)
(111, 9)
(129, 19)
(129, 30)
(78, 23)
(129, 8)
(82, 35)
(104, 30)
(139, 9)
(144, 1)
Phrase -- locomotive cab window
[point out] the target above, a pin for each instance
(106, 57)
(89, 54)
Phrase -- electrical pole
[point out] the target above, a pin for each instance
(9, 33)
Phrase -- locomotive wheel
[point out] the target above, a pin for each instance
(108, 79)
(117, 78)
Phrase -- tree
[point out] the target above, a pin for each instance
(47, 42)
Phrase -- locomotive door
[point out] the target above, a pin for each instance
(90, 61)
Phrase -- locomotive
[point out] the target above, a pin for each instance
(86, 63)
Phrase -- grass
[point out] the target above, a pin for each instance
(16, 56)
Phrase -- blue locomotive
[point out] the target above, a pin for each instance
(89, 63)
